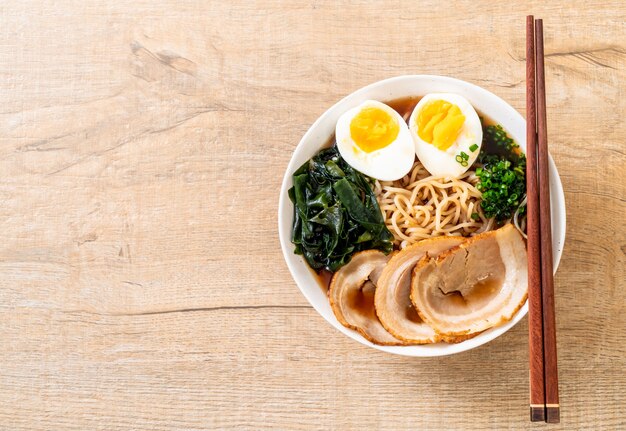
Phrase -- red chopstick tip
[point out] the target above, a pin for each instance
(553, 415)
(537, 413)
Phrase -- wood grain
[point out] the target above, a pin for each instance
(143, 144)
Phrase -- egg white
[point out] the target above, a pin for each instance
(443, 163)
(387, 164)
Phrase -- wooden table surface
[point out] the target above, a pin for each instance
(143, 144)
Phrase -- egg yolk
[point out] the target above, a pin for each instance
(439, 123)
(373, 129)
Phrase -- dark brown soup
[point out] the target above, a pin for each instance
(323, 277)
(404, 106)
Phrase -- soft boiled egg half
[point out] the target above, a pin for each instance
(375, 140)
(447, 134)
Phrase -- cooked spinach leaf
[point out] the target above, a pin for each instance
(335, 212)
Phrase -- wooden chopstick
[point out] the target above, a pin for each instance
(544, 390)
(535, 315)
(547, 282)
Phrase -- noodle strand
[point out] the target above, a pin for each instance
(421, 206)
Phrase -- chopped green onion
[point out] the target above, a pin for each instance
(464, 163)
(473, 148)
(459, 159)
(475, 216)
(502, 176)
(464, 155)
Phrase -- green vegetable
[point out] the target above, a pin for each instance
(502, 176)
(462, 158)
(335, 212)
(473, 147)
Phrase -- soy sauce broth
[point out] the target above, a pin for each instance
(404, 106)
(324, 278)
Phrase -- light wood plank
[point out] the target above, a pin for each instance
(143, 143)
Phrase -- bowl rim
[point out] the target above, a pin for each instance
(437, 349)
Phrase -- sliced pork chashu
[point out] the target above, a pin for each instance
(479, 284)
(351, 296)
(392, 299)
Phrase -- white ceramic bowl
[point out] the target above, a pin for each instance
(386, 90)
